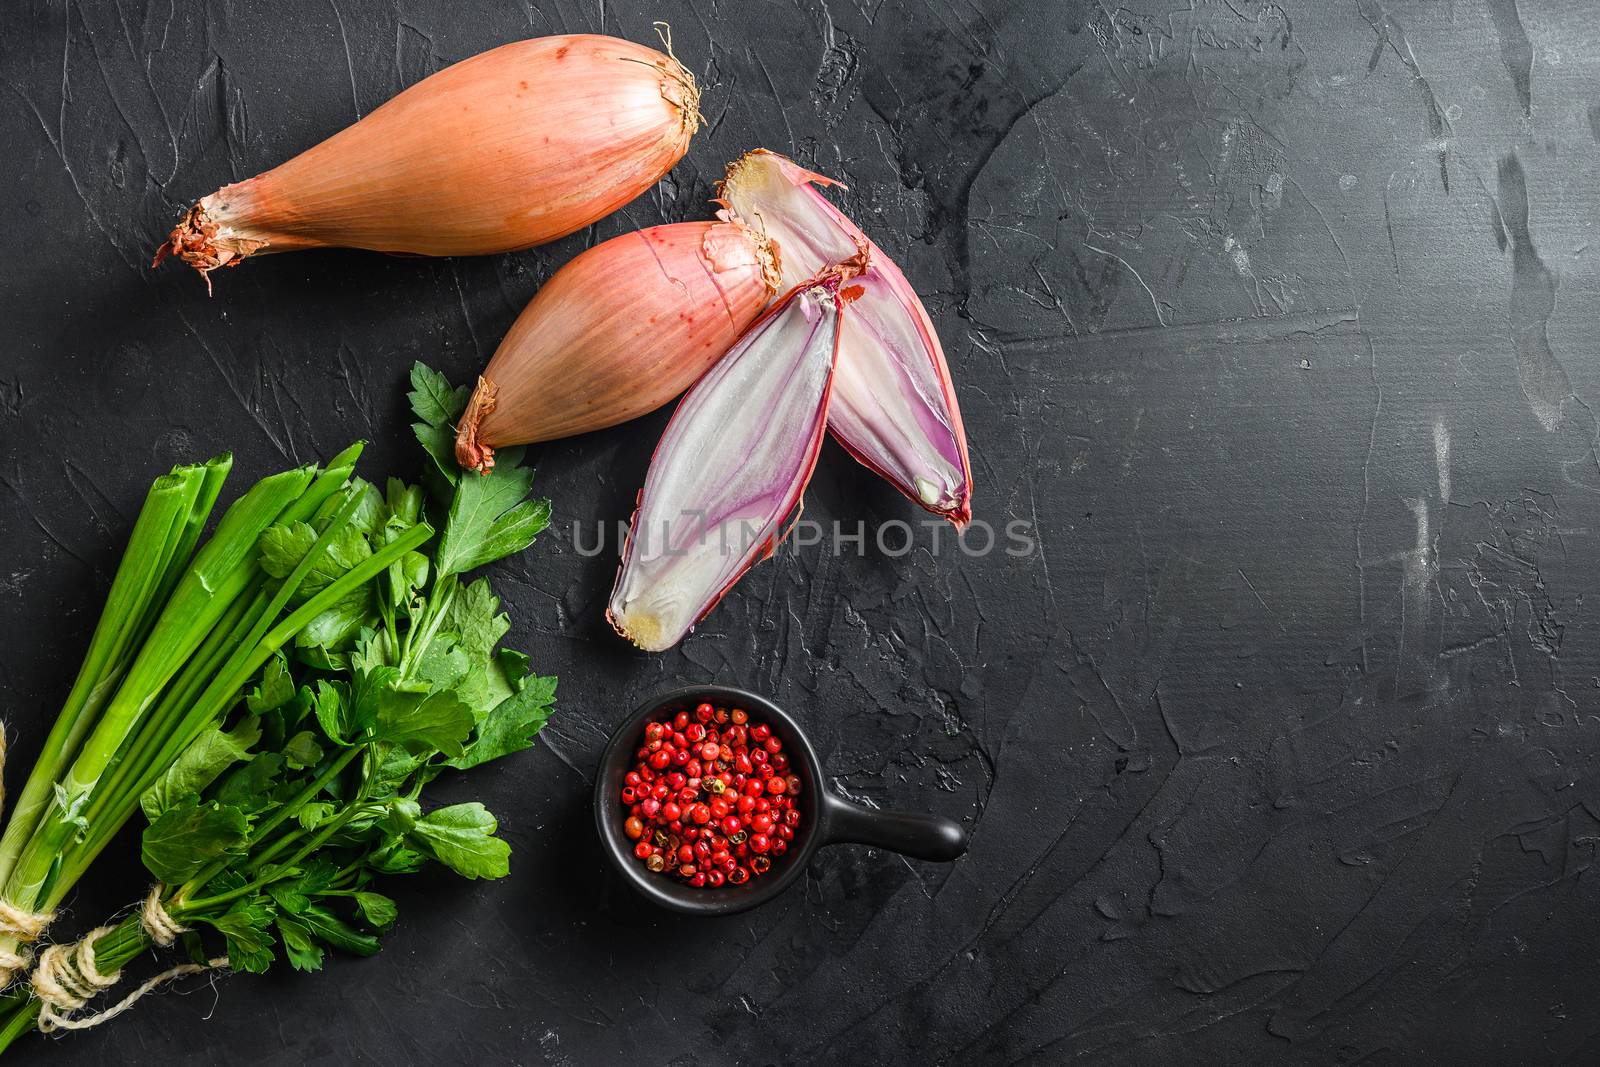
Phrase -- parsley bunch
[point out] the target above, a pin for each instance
(282, 766)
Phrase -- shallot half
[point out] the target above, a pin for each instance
(517, 146)
(894, 407)
(730, 470)
(617, 332)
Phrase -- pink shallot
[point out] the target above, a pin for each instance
(894, 407)
(730, 469)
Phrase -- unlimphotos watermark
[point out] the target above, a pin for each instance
(893, 538)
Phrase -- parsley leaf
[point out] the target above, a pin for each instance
(406, 575)
(437, 406)
(202, 763)
(462, 838)
(511, 725)
(489, 519)
(330, 709)
(189, 835)
(372, 511)
(378, 910)
(421, 722)
(283, 547)
(314, 814)
(249, 788)
(336, 932)
(304, 954)
(302, 751)
(274, 690)
(433, 399)
(405, 503)
(475, 617)
(247, 926)
(335, 628)
(443, 664)
(395, 858)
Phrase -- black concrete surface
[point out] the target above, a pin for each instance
(1274, 324)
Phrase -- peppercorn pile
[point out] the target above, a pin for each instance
(710, 800)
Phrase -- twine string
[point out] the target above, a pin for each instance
(162, 927)
(21, 926)
(68, 977)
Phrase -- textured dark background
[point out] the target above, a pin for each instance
(1277, 323)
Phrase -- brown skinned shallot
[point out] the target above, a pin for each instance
(517, 146)
(617, 332)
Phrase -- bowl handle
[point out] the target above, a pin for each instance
(923, 837)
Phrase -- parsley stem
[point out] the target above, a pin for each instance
(307, 794)
(324, 832)
(259, 833)
(279, 870)
(272, 851)
(444, 591)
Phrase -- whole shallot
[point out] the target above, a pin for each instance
(517, 146)
(617, 332)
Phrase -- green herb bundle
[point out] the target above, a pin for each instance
(277, 705)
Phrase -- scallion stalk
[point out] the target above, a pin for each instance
(212, 704)
(163, 537)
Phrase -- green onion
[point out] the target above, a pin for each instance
(177, 641)
(164, 534)
(271, 818)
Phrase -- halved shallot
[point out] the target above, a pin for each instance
(893, 406)
(617, 332)
(520, 145)
(730, 470)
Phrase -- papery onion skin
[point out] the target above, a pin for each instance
(517, 146)
(617, 332)
(930, 422)
(730, 470)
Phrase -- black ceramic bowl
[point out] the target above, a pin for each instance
(826, 818)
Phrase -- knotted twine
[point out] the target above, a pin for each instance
(162, 928)
(23, 927)
(15, 923)
(67, 977)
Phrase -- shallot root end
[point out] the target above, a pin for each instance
(771, 265)
(200, 242)
(470, 452)
(689, 106)
(642, 630)
(944, 501)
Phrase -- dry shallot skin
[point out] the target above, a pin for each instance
(511, 148)
(730, 470)
(894, 407)
(617, 332)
